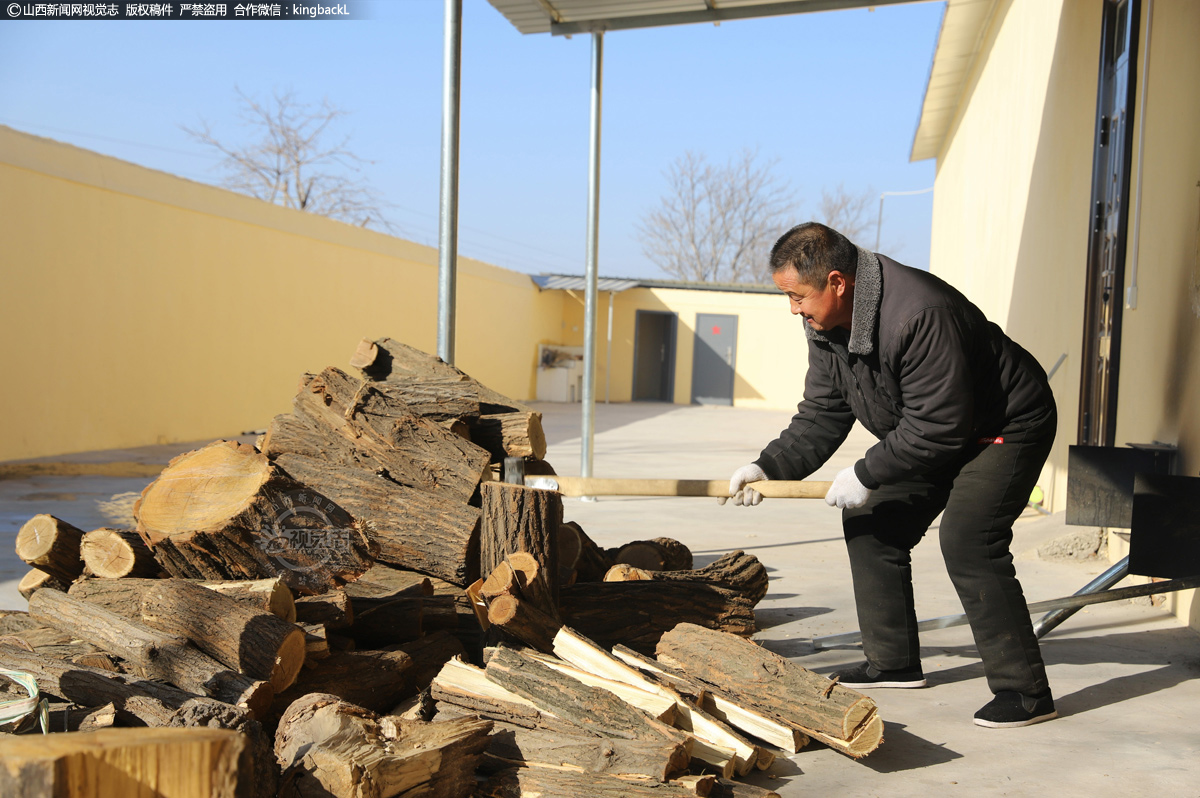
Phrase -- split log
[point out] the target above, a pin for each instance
(156, 655)
(521, 519)
(517, 434)
(334, 610)
(727, 788)
(660, 554)
(527, 782)
(579, 558)
(463, 689)
(116, 763)
(388, 360)
(52, 545)
(31, 635)
(524, 621)
(378, 432)
(117, 553)
(668, 677)
(37, 579)
(269, 595)
(376, 680)
(736, 571)
(637, 614)
(412, 529)
(254, 643)
(650, 759)
(655, 705)
(331, 747)
(592, 709)
(775, 686)
(225, 512)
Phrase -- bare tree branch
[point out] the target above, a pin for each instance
(290, 164)
(849, 214)
(717, 223)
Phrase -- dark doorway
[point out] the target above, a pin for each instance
(1110, 220)
(654, 356)
(714, 359)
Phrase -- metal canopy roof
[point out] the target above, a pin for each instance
(566, 17)
(964, 30)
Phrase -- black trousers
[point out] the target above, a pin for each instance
(981, 493)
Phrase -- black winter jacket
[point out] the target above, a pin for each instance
(921, 368)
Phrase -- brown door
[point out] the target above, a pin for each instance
(1110, 218)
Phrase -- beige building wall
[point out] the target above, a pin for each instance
(139, 307)
(1011, 214)
(771, 358)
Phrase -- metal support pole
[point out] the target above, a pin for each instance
(591, 271)
(608, 357)
(448, 203)
(1102, 582)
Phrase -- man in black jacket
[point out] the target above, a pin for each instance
(965, 420)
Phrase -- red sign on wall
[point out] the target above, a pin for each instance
(716, 330)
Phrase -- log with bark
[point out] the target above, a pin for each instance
(527, 782)
(524, 621)
(124, 596)
(776, 687)
(521, 519)
(52, 545)
(516, 434)
(384, 581)
(269, 595)
(736, 571)
(333, 609)
(463, 689)
(183, 763)
(331, 747)
(376, 680)
(154, 654)
(650, 759)
(21, 630)
(117, 553)
(383, 622)
(579, 558)
(637, 614)
(37, 579)
(659, 554)
(225, 512)
(429, 654)
(248, 641)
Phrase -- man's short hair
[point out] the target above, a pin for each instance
(814, 250)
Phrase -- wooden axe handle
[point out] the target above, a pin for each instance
(771, 489)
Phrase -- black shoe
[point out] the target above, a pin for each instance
(1010, 710)
(867, 675)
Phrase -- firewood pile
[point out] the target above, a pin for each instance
(361, 597)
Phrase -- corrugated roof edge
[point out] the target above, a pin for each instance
(579, 283)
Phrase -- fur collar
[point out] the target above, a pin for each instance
(868, 291)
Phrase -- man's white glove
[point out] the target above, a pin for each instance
(846, 491)
(742, 495)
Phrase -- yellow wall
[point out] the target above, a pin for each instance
(772, 354)
(139, 307)
(1011, 214)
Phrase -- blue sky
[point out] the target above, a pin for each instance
(834, 96)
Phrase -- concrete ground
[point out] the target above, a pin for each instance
(1124, 675)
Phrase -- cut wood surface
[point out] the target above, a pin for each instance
(636, 614)
(252, 642)
(334, 610)
(330, 747)
(523, 621)
(530, 782)
(579, 558)
(384, 581)
(651, 702)
(155, 654)
(51, 545)
(516, 434)
(270, 595)
(842, 718)
(120, 763)
(117, 553)
(736, 571)
(520, 519)
(652, 759)
(225, 512)
(35, 580)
